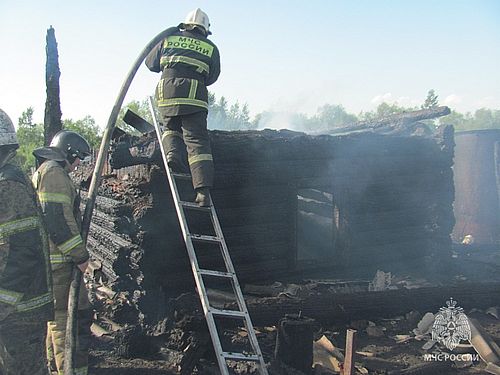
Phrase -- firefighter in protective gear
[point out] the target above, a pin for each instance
(26, 302)
(189, 62)
(61, 210)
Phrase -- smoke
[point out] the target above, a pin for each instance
(284, 120)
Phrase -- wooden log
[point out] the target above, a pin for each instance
(252, 148)
(335, 308)
(404, 118)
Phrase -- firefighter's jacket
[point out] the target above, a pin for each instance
(25, 278)
(189, 62)
(61, 212)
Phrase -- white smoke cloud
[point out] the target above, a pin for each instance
(276, 121)
(452, 100)
(378, 99)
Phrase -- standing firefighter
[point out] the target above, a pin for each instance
(189, 62)
(25, 282)
(61, 209)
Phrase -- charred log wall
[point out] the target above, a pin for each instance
(392, 198)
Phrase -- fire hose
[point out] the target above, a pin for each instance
(71, 331)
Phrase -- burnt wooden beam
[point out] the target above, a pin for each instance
(399, 119)
(328, 307)
(52, 119)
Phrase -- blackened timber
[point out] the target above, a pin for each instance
(328, 307)
(390, 201)
(399, 119)
(52, 120)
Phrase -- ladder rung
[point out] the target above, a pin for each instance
(184, 176)
(205, 238)
(228, 273)
(194, 206)
(240, 356)
(216, 273)
(228, 313)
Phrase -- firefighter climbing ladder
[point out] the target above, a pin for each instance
(190, 239)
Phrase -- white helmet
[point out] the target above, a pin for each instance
(197, 17)
(7, 131)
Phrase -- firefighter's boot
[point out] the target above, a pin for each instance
(176, 164)
(203, 197)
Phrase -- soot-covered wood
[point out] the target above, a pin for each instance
(391, 196)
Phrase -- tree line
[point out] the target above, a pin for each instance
(226, 116)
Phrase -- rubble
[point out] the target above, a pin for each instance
(326, 356)
(373, 189)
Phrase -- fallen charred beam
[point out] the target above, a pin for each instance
(397, 120)
(327, 307)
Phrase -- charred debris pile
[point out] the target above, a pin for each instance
(376, 196)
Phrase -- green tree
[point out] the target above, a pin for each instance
(87, 128)
(237, 117)
(458, 120)
(483, 118)
(217, 112)
(211, 99)
(431, 101)
(233, 116)
(384, 110)
(26, 119)
(331, 116)
(29, 136)
(245, 118)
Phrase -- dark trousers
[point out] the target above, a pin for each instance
(56, 329)
(22, 346)
(189, 133)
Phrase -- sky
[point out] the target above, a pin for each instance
(290, 56)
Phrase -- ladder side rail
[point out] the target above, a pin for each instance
(237, 290)
(209, 316)
(227, 260)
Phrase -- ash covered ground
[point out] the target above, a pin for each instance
(384, 345)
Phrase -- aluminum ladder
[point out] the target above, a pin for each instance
(229, 274)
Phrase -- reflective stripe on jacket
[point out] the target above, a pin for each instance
(190, 62)
(61, 212)
(25, 278)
